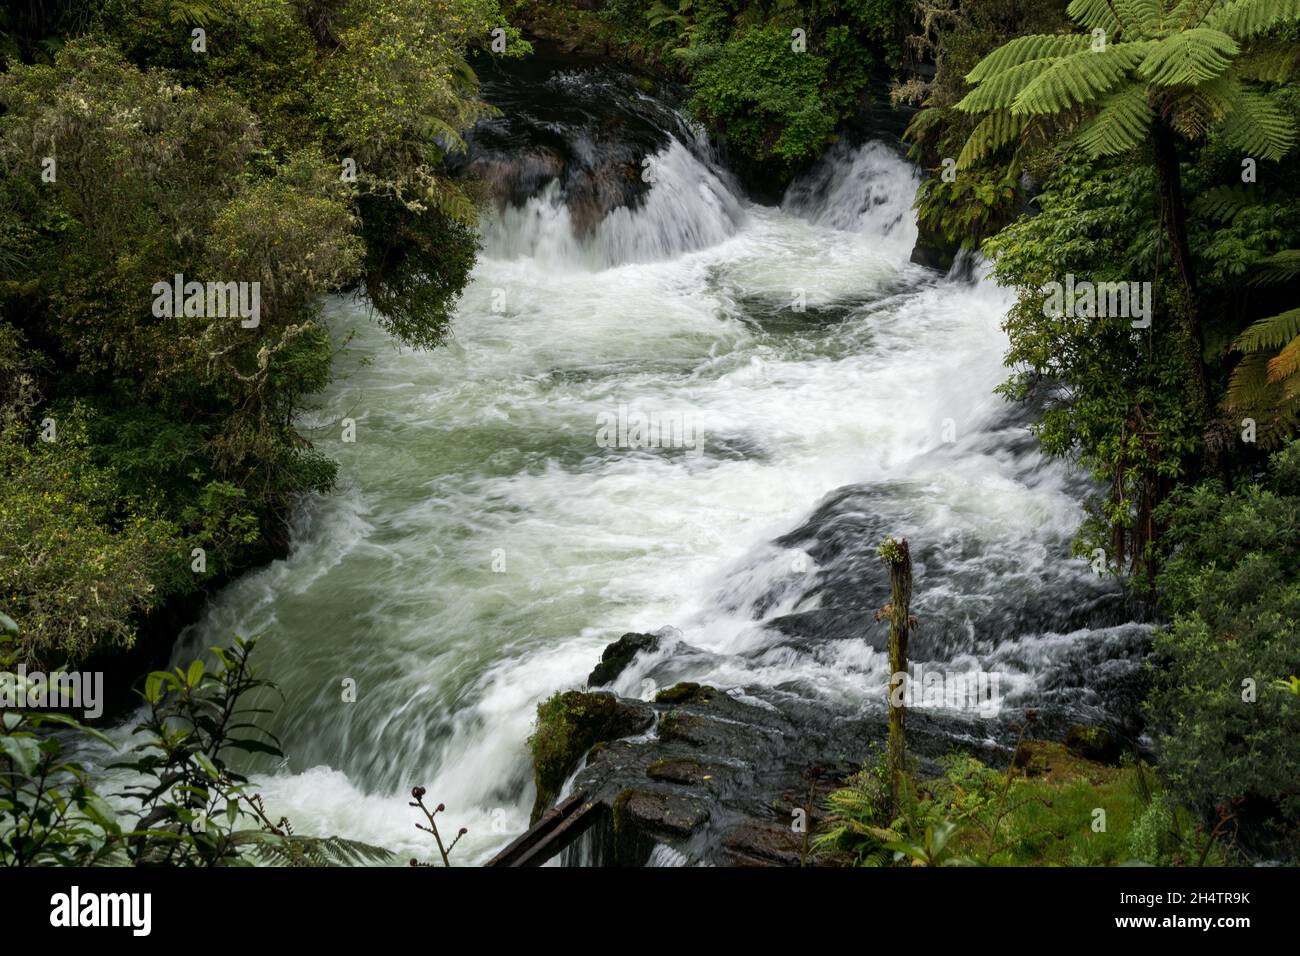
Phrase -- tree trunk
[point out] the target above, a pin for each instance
(1191, 339)
(899, 559)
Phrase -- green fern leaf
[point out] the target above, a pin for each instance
(995, 131)
(1245, 19)
(1257, 126)
(1000, 91)
(1123, 123)
(1140, 19)
(1280, 267)
(1190, 57)
(1094, 14)
(1225, 203)
(1273, 332)
(1079, 79)
(1023, 49)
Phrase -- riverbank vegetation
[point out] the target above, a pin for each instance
(295, 146)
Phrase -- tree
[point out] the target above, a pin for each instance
(1163, 71)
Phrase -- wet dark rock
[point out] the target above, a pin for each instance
(619, 655)
(686, 692)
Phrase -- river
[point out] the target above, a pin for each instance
(489, 536)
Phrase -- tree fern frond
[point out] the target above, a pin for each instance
(1140, 19)
(1023, 49)
(1267, 62)
(1225, 203)
(1195, 110)
(1248, 389)
(1270, 333)
(1079, 79)
(995, 131)
(1094, 14)
(1286, 363)
(1280, 267)
(1000, 91)
(1257, 126)
(1192, 56)
(1123, 123)
(1244, 19)
(272, 849)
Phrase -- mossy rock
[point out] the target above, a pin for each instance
(1093, 743)
(687, 692)
(568, 725)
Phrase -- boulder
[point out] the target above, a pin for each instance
(619, 655)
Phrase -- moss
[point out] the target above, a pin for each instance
(685, 692)
(1093, 743)
(568, 725)
(891, 552)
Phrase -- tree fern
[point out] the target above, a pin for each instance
(1078, 79)
(1094, 15)
(1257, 126)
(270, 849)
(1280, 267)
(1266, 382)
(1249, 18)
(1139, 18)
(1225, 203)
(994, 132)
(1000, 91)
(1190, 57)
(1270, 333)
(1123, 122)
(1023, 49)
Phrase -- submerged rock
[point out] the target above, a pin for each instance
(619, 655)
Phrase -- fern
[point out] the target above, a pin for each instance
(1245, 19)
(1280, 267)
(1190, 57)
(1258, 127)
(1094, 15)
(1122, 124)
(1000, 92)
(1225, 203)
(1270, 333)
(271, 849)
(1023, 49)
(1078, 79)
(1269, 62)
(1139, 18)
(994, 132)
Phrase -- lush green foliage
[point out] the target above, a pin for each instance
(775, 95)
(298, 145)
(1222, 703)
(189, 806)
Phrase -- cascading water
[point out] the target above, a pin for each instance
(485, 545)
